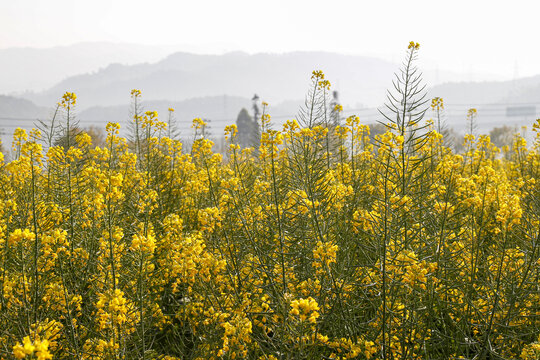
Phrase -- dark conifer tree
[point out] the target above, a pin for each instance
(248, 130)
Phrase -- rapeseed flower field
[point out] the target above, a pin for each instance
(324, 242)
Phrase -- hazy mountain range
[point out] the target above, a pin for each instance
(31, 69)
(102, 74)
(523, 90)
(211, 86)
(275, 78)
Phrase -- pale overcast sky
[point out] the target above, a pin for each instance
(498, 37)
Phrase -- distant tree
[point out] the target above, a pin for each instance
(501, 136)
(97, 135)
(256, 133)
(452, 139)
(256, 111)
(376, 129)
(244, 123)
(335, 110)
(248, 129)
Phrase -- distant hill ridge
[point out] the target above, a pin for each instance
(360, 80)
(180, 76)
(102, 74)
(35, 69)
(522, 90)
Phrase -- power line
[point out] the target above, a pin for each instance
(487, 110)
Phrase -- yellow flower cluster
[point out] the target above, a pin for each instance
(324, 254)
(414, 46)
(305, 309)
(39, 348)
(437, 103)
(68, 99)
(19, 236)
